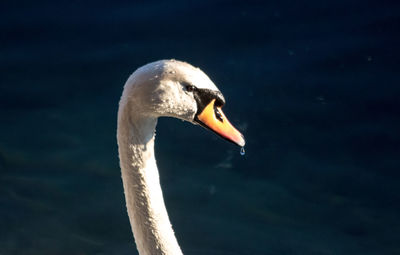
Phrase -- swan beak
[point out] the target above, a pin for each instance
(214, 119)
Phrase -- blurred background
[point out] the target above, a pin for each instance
(313, 85)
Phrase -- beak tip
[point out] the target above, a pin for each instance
(242, 141)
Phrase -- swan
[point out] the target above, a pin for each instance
(163, 88)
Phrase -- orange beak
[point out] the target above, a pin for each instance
(213, 118)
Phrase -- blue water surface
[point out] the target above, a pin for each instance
(313, 85)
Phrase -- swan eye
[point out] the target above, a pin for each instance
(218, 114)
(189, 87)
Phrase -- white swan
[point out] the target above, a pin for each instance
(163, 88)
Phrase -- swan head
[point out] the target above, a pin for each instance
(177, 89)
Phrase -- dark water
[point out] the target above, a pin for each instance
(313, 85)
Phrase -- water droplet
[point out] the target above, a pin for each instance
(242, 152)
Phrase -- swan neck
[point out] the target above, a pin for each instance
(144, 200)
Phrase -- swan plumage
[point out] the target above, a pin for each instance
(163, 88)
